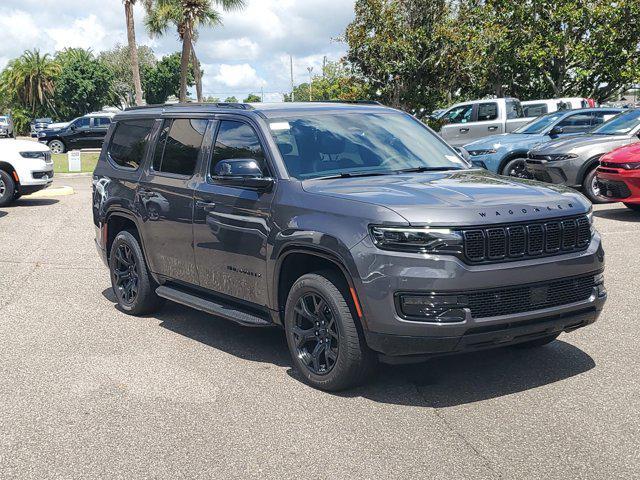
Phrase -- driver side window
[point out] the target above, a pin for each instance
(461, 114)
(237, 140)
(82, 122)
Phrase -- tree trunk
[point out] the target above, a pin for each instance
(184, 62)
(197, 74)
(133, 50)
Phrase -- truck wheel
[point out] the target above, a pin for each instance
(633, 206)
(591, 189)
(325, 345)
(57, 146)
(516, 168)
(538, 342)
(134, 288)
(7, 189)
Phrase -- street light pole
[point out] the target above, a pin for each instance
(310, 69)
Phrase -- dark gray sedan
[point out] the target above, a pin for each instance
(573, 161)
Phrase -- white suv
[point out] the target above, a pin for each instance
(25, 167)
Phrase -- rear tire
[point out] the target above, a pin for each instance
(7, 189)
(538, 342)
(326, 347)
(590, 188)
(633, 206)
(132, 285)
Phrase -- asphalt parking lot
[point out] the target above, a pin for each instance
(87, 391)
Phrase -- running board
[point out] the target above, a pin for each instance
(214, 308)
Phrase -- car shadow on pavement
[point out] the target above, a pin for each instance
(437, 383)
(2, 213)
(34, 202)
(620, 214)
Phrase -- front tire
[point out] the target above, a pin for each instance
(633, 206)
(57, 146)
(7, 189)
(134, 288)
(516, 168)
(322, 335)
(591, 189)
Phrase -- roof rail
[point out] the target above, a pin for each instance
(241, 106)
(358, 102)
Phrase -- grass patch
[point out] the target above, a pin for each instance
(61, 163)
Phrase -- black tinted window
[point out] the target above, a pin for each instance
(129, 141)
(579, 122)
(487, 111)
(101, 122)
(535, 109)
(182, 141)
(82, 122)
(237, 140)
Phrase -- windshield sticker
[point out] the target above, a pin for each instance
(276, 126)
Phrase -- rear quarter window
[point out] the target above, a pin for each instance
(129, 141)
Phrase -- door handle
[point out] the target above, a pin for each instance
(207, 206)
(464, 130)
(492, 128)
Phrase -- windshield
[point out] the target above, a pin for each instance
(321, 145)
(4, 120)
(540, 124)
(621, 124)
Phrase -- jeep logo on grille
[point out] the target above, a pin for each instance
(538, 295)
(526, 211)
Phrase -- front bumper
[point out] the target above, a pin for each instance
(560, 172)
(384, 274)
(619, 185)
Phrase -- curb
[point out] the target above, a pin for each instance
(51, 192)
(73, 175)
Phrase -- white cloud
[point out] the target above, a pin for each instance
(84, 33)
(242, 76)
(234, 49)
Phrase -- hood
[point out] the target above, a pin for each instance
(565, 145)
(506, 139)
(460, 198)
(627, 153)
(13, 145)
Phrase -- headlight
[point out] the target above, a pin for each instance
(566, 156)
(420, 239)
(475, 153)
(33, 155)
(41, 134)
(630, 166)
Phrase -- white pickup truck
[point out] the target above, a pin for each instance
(25, 168)
(469, 121)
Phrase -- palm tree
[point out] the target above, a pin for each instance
(30, 79)
(133, 49)
(187, 16)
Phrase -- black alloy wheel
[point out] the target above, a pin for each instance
(126, 274)
(516, 168)
(316, 334)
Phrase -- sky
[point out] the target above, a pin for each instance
(247, 54)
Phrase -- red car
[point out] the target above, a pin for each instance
(619, 175)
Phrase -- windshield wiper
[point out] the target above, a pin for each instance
(426, 169)
(352, 175)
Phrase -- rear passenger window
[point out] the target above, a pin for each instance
(129, 141)
(237, 140)
(179, 145)
(487, 111)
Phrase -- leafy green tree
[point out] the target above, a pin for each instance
(231, 100)
(252, 98)
(338, 81)
(28, 82)
(211, 99)
(187, 16)
(118, 60)
(163, 79)
(84, 83)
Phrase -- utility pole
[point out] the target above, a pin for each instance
(324, 65)
(310, 69)
(291, 65)
(262, 95)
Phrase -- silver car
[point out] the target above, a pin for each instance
(573, 161)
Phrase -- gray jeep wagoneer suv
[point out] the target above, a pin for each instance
(354, 227)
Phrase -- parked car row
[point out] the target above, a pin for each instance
(6, 127)
(535, 108)
(82, 132)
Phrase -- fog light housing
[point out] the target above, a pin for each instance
(433, 307)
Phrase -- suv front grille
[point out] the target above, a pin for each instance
(512, 300)
(519, 241)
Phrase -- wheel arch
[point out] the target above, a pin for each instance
(587, 167)
(116, 221)
(297, 260)
(511, 156)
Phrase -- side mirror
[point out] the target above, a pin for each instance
(463, 153)
(556, 131)
(241, 172)
(72, 127)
